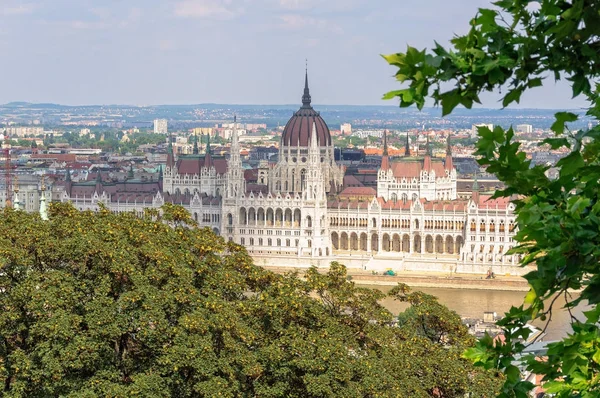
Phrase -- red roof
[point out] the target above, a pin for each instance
(193, 164)
(413, 168)
(352, 181)
(485, 202)
(359, 191)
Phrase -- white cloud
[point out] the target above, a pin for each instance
(21, 9)
(298, 22)
(212, 9)
(329, 5)
(88, 25)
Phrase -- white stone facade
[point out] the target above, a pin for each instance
(294, 215)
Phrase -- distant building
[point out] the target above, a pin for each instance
(368, 133)
(160, 126)
(524, 128)
(346, 129)
(23, 131)
(474, 130)
(202, 131)
(256, 126)
(84, 132)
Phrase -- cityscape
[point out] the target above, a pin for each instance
(293, 242)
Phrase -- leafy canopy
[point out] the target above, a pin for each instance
(100, 304)
(513, 47)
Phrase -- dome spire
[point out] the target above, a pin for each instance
(306, 95)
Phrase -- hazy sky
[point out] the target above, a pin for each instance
(221, 51)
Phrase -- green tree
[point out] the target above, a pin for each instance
(516, 46)
(99, 304)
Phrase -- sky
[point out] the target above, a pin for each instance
(148, 52)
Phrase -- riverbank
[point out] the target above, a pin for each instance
(429, 279)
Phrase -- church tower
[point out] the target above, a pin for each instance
(290, 173)
(236, 184)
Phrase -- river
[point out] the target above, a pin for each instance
(473, 303)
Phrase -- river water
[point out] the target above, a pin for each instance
(473, 303)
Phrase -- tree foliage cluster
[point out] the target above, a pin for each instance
(114, 305)
(514, 47)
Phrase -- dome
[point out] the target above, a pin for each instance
(298, 129)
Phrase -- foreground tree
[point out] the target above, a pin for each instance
(515, 46)
(98, 304)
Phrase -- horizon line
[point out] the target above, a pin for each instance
(279, 105)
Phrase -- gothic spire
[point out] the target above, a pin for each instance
(195, 150)
(428, 147)
(385, 162)
(170, 156)
(407, 146)
(313, 138)
(475, 190)
(234, 157)
(306, 95)
(427, 159)
(208, 144)
(475, 183)
(449, 164)
(130, 174)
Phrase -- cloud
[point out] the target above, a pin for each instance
(21, 9)
(88, 25)
(211, 9)
(298, 22)
(329, 5)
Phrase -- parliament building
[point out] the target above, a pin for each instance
(297, 212)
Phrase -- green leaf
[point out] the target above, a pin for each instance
(561, 119)
(513, 95)
(570, 164)
(450, 100)
(536, 82)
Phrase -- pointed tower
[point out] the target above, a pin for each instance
(208, 161)
(130, 174)
(99, 187)
(195, 150)
(427, 159)
(448, 164)
(68, 182)
(407, 146)
(475, 190)
(170, 156)
(385, 162)
(43, 207)
(314, 179)
(306, 94)
(236, 185)
(160, 178)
